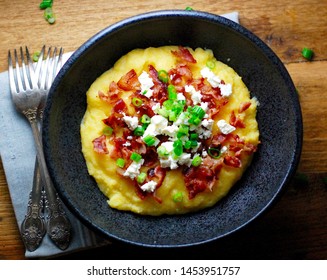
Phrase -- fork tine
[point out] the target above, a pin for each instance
(59, 62)
(33, 79)
(44, 74)
(12, 81)
(27, 76)
(18, 75)
(39, 64)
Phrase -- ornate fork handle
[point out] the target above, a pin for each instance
(59, 227)
(33, 227)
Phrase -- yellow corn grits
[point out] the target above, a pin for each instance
(120, 190)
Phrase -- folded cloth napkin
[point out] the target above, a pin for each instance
(17, 150)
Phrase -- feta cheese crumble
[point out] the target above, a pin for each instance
(149, 186)
(133, 169)
(195, 95)
(146, 84)
(132, 122)
(214, 81)
(225, 127)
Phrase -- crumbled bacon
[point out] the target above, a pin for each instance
(100, 145)
(244, 106)
(232, 161)
(157, 174)
(129, 81)
(236, 121)
(184, 55)
(198, 179)
(159, 88)
(112, 95)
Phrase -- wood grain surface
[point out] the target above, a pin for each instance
(296, 227)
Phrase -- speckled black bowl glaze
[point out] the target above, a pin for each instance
(279, 118)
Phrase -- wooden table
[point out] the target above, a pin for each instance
(296, 228)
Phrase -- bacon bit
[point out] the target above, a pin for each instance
(112, 95)
(157, 174)
(145, 109)
(236, 121)
(119, 107)
(244, 106)
(114, 122)
(232, 161)
(184, 55)
(129, 81)
(150, 157)
(159, 88)
(214, 164)
(100, 145)
(198, 179)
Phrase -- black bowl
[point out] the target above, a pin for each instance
(279, 118)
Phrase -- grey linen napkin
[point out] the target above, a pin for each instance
(17, 150)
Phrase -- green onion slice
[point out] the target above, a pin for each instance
(141, 177)
(137, 101)
(139, 131)
(163, 76)
(145, 119)
(149, 140)
(178, 197)
(214, 153)
(178, 147)
(36, 56)
(172, 93)
(211, 64)
(120, 162)
(135, 157)
(307, 53)
(107, 131)
(196, 161)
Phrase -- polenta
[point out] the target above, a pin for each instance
(168, 130)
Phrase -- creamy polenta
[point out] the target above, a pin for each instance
(168, 130)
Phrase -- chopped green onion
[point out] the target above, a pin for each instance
(211, 64)
(188, 144)
(149, 140)
(196, 161)
(141, 177)
(194, 120)
(214, 153)
(307, 53)
(120, 162)
(145, 119)
(139, 131)
(163, 76)
(48, 13)
(107, 131)
(162, 151)
(137, 101)
(178, 197)
(198, 111)
(168, 104)
(36, 56)
(189, 8)
(182, 131)
(194, 136)
(194, 144)
(178, 147)
(135, 157)
(172, 93)
(51, 20)
(45, 4)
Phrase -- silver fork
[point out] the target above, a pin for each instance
(28, 94)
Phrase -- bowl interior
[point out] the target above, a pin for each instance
(279, 119)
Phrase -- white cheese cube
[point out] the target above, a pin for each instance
(225, 127)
